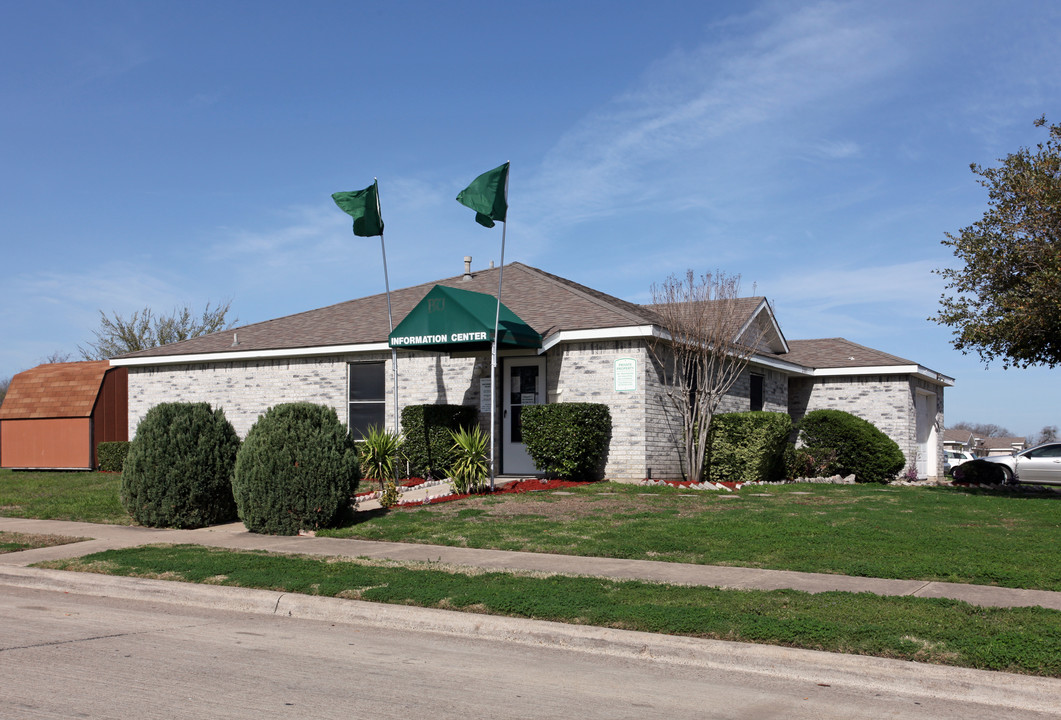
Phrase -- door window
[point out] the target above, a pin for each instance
(523, 390)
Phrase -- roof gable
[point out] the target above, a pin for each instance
(56, 390)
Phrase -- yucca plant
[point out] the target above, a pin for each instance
(470, 467)
(378, 454)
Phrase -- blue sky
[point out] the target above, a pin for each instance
(166, 154)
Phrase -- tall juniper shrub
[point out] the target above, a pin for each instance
(178, 471)
(297, 470)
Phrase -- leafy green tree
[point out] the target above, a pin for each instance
(1005, 300)
(144, 329)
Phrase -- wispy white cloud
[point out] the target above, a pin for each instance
(732, 102)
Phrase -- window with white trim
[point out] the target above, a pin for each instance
(367, 397)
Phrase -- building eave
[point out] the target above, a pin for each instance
(241, 355)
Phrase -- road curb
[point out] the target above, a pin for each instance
(898, 677)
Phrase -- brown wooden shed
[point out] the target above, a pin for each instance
(54, 415)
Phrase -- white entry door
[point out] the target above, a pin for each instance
(524, 384)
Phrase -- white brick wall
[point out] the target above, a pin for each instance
(645, 434)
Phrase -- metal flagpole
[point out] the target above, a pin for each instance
(493, 354)
(493, 350)
(390, 318)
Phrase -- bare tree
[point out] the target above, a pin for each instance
(1047, 434)
(705, 345)
(118, 335)
(5, 383)
(983, 430)
(57, 357)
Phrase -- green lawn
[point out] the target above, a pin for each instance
(990, 537)
(80, 496)
(1025, 640)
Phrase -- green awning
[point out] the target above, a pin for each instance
(452, 319)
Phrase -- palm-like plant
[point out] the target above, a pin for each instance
(378, 454)
(470, 468)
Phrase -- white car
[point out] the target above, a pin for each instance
(954, 458)
(1040, 465)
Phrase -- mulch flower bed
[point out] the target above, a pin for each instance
(520, 486)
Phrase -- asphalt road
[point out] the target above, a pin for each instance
(66, 655)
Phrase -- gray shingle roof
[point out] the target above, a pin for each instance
(839, 353)
(546, 302)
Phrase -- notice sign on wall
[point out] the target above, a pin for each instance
(625, 375)
(486, 395)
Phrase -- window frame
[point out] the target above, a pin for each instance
(379, 404)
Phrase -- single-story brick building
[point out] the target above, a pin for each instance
(560, 342)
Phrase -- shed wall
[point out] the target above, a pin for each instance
(51, 443)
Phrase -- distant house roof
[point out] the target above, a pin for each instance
(56, 390)
(1004, 443)
(958, 435)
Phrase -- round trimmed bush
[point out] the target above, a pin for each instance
(178, 472)
(861, 449)
(297, 470)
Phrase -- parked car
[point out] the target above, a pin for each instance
(954, 458)
(1039, 465)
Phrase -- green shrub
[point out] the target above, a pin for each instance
(428, 444)
(747, 446)
(806, 463)
(979, 472)
(377, 455)
(861, 449)
(297, 470)
(569, 440)
(111, 455)
(178, 472)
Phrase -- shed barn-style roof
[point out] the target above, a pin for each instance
(56, 390)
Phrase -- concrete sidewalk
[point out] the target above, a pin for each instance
(236, 537)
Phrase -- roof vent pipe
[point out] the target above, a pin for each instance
(467, 267)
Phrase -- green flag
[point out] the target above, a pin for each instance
(363, 206)
(488, 196)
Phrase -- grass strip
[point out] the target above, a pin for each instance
(77, 496)
(947, 534)
(16, 542)
(1022, 640)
